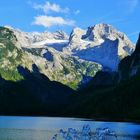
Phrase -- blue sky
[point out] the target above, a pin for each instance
(51, 15)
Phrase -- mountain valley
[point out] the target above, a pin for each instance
(92, 73)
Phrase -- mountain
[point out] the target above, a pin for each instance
(120, 102)
(39, 70)
(130, 66)
(34, 95)
(23, 89)
(71, 60)
(101, 43)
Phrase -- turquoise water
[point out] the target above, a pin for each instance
(44, 128)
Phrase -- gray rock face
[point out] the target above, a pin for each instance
(71, 60)
(98, 43)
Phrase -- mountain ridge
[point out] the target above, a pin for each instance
(71, 60)
(103, 94)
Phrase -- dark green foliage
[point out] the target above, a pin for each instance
(35, 95)
(10, 55)
(118, 102)
(66, 70)
(7, 34)
(12, 75)
(130, 64)
(33, 51)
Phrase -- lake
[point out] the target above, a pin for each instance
(44, 128)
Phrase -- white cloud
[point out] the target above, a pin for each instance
(77, 12)
(51, 7)
(48, 21)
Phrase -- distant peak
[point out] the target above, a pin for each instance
(9, 27)
(104, 27)
(76, 34)
(101, 30)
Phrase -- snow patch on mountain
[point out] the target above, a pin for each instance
(101, 43)
(54, 43)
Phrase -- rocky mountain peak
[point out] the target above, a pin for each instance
(103, 31)
(101, 43)
(71, 60)
(6, 33)
(76, 35)
(60, 35)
